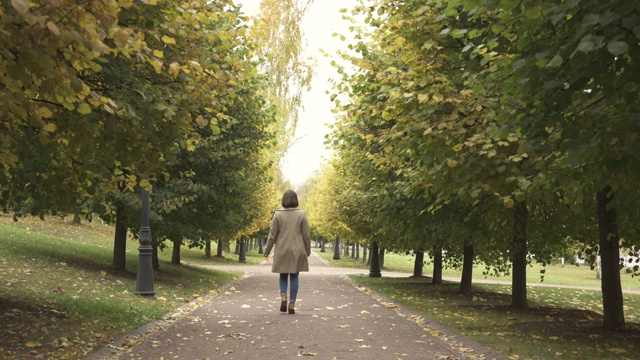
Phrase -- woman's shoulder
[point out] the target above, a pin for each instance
(291, 211)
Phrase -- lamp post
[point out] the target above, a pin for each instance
(374, 269)
(144, 278)
(243, 249)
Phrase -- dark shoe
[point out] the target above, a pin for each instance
(283, 303)
(292, 305)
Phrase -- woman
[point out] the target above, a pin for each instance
(291, 236)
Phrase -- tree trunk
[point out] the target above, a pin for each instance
(364, 254)
(227, 246)
(175, 256)
(120, 240)
(219, 249)
(612, 301)
(76, 219)
(357, 245)
(207, 249)
(418, 265)
(381, 257)
(467, 268)
(437, 266)
(346, 249)
(237, 250)
(519, 257)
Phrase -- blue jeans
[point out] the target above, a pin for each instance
(293, 279)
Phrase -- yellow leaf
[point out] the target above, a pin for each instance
(399, 41)
(32, 344)
(617, 350)
(49, 127)
(508, 203)
(174, 69)
(451, 162)
(201, 121)
(44, 112)
(126, 3)
(84, 109)
(158, 54)
(191, 144)
(21, 6)
(457, 148)
(121, 36)
(146, 184)
(168, 40)
(53, 28)
(157, 65)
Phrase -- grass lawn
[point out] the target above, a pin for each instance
(61, 299)
(553, 274)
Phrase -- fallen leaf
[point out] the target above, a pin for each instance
(306, 353)
(32, 344)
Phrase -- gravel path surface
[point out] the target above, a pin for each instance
(335, 319)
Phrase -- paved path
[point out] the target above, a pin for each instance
(335, 319)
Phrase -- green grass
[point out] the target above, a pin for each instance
(60, 297)
(554, 274)
(560, 323)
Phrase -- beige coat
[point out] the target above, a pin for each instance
(291, 236)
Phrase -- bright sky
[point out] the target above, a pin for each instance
(309, 152)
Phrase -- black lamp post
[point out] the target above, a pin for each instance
(144, 278)
(242, 257)
(374, 269)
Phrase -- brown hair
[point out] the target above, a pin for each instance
(289, 199)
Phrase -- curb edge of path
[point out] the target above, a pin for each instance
(120, 346)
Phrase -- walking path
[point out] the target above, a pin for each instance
(335, 319)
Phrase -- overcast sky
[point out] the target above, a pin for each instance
(322, 20)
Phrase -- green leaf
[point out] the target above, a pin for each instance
(617, 48)
(608, 17)
(555, 62)
(586, 46)
(534, 13)
(590, 20)
(509, 5)
(518, 64)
